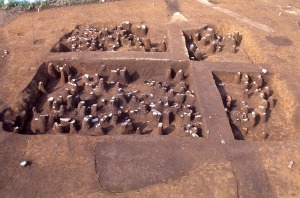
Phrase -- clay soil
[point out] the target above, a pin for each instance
(217, 164)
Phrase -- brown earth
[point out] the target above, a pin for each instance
(149, 165)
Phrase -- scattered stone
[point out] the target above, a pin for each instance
(42, 88)
(264, 71)
(25, 163)
(264, 135)
(291, 164)
(238, 77)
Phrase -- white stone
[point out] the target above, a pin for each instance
(65, 119)
(194, 135)
(95, 120)
(23, 163)
(50, 99)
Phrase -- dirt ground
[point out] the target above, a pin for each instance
(157, 166)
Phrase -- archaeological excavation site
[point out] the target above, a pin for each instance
(152, 98)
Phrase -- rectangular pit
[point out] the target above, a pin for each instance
(125, 97)
(256, 111)
(125, 36)
(208, 43)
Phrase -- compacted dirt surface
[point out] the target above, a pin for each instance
(176, 98)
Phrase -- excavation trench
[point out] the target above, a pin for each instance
(106, 37)
(107, 98)
(254, 108)
(116, 96)
(206, 41)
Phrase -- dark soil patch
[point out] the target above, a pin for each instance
(280, 40)
(145, 160)
(39, 42)
(172, 6)
(213, 2)
(6, 16)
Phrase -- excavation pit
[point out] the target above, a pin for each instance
(107, 98)
(123, 37)
(205, 42)
(255, 110)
